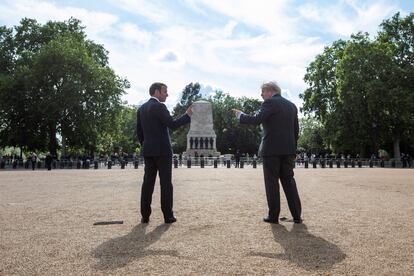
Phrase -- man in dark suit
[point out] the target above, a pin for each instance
(279, 118)
(153, 122)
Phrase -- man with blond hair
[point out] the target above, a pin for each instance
(279, 118)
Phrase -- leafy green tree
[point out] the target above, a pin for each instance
(18, 126)
(7, 51)
(126, 138)
(365, 74)
(231, 136)
(81, 98)
(397, 35)
(321, 99)
(361, 90)
(61, 85)
(311, 136)
(190, 94)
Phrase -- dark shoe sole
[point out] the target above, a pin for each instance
(271, 221)
(170, 220)
(291, 220)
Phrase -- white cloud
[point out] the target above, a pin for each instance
(149, 9)
(271, 16)
(43, 11)
(206, 90)
(194, 6)
(298, 52)
(134, 34)
(168, 58)
(237, 66)
(228, 29)
(214, 54)
(347, 17)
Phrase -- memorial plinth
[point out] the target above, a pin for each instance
(201, 138)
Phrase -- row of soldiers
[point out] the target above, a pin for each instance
(32, 160)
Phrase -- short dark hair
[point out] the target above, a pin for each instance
(156, 86)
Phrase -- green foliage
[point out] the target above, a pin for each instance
(310, 136)
(361, 90)
(56, 83)
(126, 139)
(398, 35)
(320, 99)
(230, 135)
(190, 94)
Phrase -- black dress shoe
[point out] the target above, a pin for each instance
(297, 220)
(271, 220)
(144, 220)
(170, 220)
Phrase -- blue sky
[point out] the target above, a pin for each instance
(229, 45)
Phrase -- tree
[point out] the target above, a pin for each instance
(365, 75)
(190, 94)
(61, 85)
(126, 138)
(320, 99)
(18, 126)
(81, 98)
(397, 35)
(230, 135)
(311, 136)
(361, 90)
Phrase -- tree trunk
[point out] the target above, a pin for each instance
(396, 141)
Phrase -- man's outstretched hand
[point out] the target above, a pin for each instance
(237, 112)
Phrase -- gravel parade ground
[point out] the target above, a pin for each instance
(356, 222)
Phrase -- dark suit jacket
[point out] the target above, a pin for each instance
(279, 118)
(153, 121)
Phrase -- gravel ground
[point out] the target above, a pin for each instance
(356, 222)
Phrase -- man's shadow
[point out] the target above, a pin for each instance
(303, 248)
(118, 252)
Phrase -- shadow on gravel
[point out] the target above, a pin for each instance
(303, 248)
(118, 252)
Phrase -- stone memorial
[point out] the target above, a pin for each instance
(201, 138)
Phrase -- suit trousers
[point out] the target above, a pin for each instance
(162, 165)
(275, 168)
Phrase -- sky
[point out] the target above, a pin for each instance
(228, 45)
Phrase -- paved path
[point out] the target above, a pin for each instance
(356, 222)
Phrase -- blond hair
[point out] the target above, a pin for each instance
(272, 86)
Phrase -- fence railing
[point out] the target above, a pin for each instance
(352, 163)
(202, 162)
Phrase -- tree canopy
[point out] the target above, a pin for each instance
(230, 135)
(361, 90)
(55, 84)
(57, 91)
